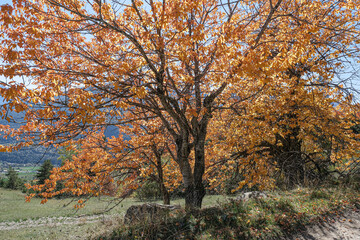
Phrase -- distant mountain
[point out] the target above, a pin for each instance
(111, 131)
(35, 154)
(30, 155)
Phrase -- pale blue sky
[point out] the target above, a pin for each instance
(2, 2)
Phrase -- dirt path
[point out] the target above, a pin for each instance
(53, 221)
(345, 227)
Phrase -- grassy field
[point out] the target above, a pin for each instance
(14, 207)
(26, 173)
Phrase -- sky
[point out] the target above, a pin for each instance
(3, 2)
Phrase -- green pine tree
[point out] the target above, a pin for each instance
(44, 172)
(13, 182)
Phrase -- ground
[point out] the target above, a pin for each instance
(344, 227)
(59, 220)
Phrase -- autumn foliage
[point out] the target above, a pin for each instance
(203, 90)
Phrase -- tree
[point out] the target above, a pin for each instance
(13, 180)
(2, 182)
(300, 131)
(44, 172)
(174, 63)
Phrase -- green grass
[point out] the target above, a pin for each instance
(14, 207)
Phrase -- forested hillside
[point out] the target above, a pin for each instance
(33, 154)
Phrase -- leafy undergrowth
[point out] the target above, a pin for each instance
(277, 216)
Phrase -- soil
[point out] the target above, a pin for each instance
(51, 221)
(340, 227)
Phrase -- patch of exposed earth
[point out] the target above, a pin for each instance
(344, 227)
(53, 221)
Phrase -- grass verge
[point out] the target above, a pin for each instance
(275, 217)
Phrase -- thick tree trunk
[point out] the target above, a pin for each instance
(165, 195)
(294, 169)
(199, 169)
(194, 187)
(291, 159)
(194, 196)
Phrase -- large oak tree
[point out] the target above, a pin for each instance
(94, 63)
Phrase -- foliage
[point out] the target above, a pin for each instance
(211, 87)
(297, 134)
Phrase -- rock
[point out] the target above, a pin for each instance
(147, 212)
(250, 195)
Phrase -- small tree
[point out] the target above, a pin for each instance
(44, 172)
(2, 182)
(13, 182)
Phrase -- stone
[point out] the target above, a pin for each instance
(147, 212)
(251, 195)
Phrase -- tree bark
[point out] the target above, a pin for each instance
(165, 195)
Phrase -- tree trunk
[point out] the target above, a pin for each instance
(291, 159)
(160, 179)
(294, 169)
(194, 196)
(165, 195)
(194, 188)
